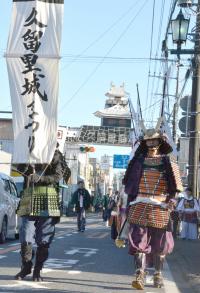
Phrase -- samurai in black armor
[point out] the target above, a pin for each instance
(39, 209)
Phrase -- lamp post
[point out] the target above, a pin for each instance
(179, 27)
(179, 34)
(195, 113)
(185, 3)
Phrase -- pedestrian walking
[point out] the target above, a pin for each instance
(39, 209)
(122, 206)
(151, 181)
(175, 217)
(189, 208)
(113, 212)
(105, 201)
(82, 201)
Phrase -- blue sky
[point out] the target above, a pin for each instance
(116, 29)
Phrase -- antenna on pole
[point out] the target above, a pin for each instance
(138, 102)
(132, 114)
(163, 97)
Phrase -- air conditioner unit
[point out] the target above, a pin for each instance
(185, 3)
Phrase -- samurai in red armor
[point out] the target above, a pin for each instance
(151, 181)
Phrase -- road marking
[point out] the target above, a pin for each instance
(3, 251)
(170, 285)
(25, 285)
(55, 263)
(17, 251)
(149, 279)
(87, 252)
(70, 272)
(99, 235)
(74, 272)
(86, 264)
(13, 244)
(2, 256)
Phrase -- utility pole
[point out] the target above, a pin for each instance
(176, 105)
(195, 113)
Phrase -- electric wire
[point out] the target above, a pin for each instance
(151, 44)
(102, 60)
(158, 44)
(102, 34)
(166, 68)
(112, 59)
(173, 6)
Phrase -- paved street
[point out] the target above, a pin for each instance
(90, 262)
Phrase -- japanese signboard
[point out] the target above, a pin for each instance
(72, 135)
(120, 161)
(119, 136)
(105, 162)
(61, 137)
(33, 62)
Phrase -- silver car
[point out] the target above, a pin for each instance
(9, 201)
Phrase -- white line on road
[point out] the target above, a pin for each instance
(170, 285)
(17, 251)
(70, 272)
(74, 272)
(14, 244)
(87, 252)
(25, 285)
(55, 263)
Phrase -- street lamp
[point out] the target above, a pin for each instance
(179, 27)
(185, 3)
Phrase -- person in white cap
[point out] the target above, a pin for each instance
(188, 208)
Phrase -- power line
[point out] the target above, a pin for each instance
(152, 24)
(102, 60)
(102, 34)
(110, 59)
(156, 55)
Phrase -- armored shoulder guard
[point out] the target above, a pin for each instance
(173, 170)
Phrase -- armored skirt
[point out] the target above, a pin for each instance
(42, 201)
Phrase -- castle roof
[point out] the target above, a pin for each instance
(114, 91)
(116, 111)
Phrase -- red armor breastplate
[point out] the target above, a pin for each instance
(153, 182)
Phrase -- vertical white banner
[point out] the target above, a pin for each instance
(33, 64)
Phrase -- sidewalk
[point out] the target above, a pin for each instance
(184, 264)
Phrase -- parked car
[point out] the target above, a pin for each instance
(9, 201)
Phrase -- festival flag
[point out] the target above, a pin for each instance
(33, 54)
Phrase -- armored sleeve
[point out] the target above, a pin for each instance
(173, 175)
(54, 172)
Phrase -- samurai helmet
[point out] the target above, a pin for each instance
(155, 133)
(151, 133)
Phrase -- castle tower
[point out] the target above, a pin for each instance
(116, 112)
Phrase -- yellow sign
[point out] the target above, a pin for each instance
(14, 173)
